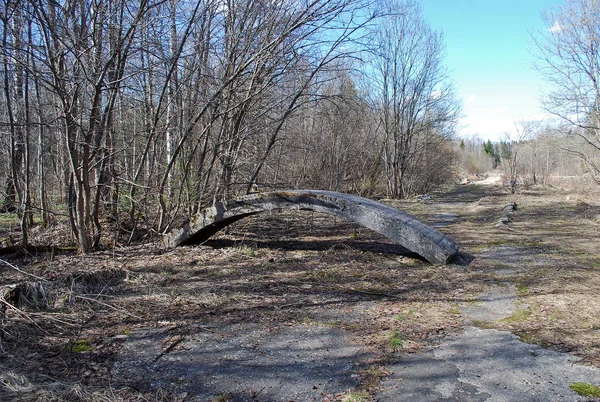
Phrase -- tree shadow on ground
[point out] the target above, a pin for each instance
(316, 245)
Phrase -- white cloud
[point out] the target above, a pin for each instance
(471, 99)
(495, 123)
(556, 28)
(487, 124)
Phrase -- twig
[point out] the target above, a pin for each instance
(109, 306)
(22, 313)
(202, 328)
(49, 317)
(21, 271)
(178, 339)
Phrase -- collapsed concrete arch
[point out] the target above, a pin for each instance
(398, 226)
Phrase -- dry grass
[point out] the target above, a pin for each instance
(301, 268)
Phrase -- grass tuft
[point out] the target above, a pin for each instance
(80, 346)
(484, 324)
(522, 289)
(222, 398)
(519, 316)
(585, 389)
(396, 341)
(356, 396)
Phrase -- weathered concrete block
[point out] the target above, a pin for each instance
(399, 226)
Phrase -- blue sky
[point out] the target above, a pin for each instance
(487, 45)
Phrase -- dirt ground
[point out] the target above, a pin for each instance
(96, 327)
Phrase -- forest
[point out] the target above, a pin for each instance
(122, 118)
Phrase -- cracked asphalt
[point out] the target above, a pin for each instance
(486, 364)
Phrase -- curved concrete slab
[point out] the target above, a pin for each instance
(399, 226)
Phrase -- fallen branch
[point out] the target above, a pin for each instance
(109, 306)
(21, 313)
(21, 271)
(173, 342)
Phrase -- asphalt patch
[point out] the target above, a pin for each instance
(243, 362)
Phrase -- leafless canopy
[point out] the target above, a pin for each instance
(568, 57)
(130, 115)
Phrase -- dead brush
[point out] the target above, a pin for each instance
(33, 296)
(36, 387)
(42, 305)
(43, 294)
(93, 284)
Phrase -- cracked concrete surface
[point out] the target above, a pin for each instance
(494, 304)
(244, 362)
(486, 364)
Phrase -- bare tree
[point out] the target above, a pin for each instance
(86, 47)
(14, 83)
(415, 97)
(528, 133)
(16, 57)
(331, 143)
(141, 112)
(511, 152)
(568, 57)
